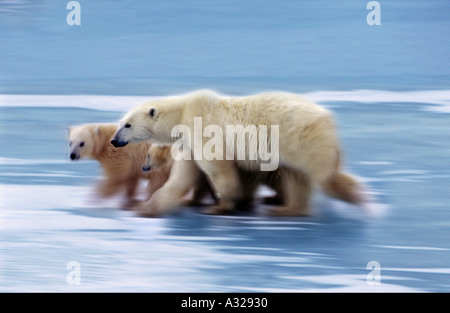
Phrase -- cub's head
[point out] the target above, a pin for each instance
(87, 139)
(157, 156)
(137, 125)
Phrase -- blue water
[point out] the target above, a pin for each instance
(395, 142)
(162, 47)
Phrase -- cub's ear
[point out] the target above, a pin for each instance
(153, 112)
(69, 129)
(98, 130)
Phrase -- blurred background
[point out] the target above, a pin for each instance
(387, 84)
(160, 47)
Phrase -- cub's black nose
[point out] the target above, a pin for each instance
(115, 143)
(146, 168)
(73, 156)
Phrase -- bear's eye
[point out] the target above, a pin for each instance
(153, 112)
(127, 125)
(82, 144)
(70, 143)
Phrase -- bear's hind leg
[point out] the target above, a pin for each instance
(250, 181)
(296, 194)
(273, 180)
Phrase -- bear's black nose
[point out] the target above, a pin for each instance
(73, 156)
(146, 168)
(118, 144)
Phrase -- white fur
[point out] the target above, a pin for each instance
(308, 143)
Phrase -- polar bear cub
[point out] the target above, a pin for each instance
(306, 144)
(159, 163)
(121, 166)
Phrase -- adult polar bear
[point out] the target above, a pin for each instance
(308, 146)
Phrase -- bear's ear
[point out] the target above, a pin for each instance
(69, 129)
(153, 112)
(97, 130)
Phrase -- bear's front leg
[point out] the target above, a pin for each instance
(201, 189)
(224, 178)
(131, 186)
(183, 176)
(108, 187)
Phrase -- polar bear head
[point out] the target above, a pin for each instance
(157, 156)
(86, 140)
(137, 125)
(157, 118)
(151, 120)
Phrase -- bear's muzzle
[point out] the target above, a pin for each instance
(73, 156)
(118, 144)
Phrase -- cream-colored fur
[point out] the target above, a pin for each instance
(121, 166)
(160, 161)
(308, 145)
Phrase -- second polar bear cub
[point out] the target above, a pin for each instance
(307, 144)
(159, 164)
